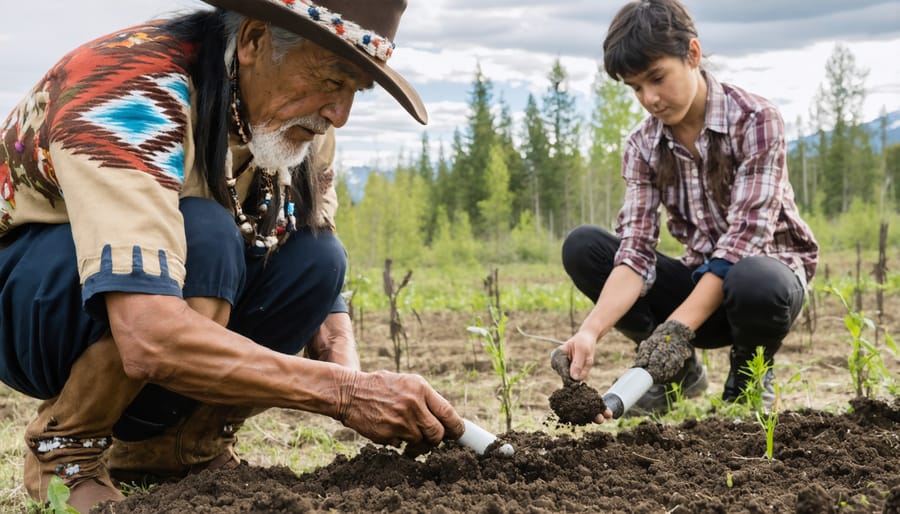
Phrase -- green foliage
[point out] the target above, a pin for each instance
(453, 243)
(472, 158)
(560, 179)
(867, 369)
(613, 118)
(535, 158)
(768, 421)
(389, 221)
(456, 288)
(755, 371)
(839, 182)
(845, 172)
(496, 209)
(494, 343)
(530, 243)
(58, 496)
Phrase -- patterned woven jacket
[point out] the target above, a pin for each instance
(104, 142)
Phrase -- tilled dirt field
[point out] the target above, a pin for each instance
(822, 463)
(829, 455)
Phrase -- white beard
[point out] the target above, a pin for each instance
(272, 150)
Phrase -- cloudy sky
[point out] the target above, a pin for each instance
(775, 48)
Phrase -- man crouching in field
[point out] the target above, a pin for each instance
(167, 245)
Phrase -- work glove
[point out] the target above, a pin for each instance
(392, 408)
(559, 361)
(664, 352)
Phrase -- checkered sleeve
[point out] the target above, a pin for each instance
(637, 224)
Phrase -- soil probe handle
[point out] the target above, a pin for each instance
(627, 390)
(478, 439)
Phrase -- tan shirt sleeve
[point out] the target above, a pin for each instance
(128, 231)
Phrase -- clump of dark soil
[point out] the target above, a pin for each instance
(577, 404)
(822, 462)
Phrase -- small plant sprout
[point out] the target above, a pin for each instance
(867, 369)
(495, 347)
(729, 479)
(58, 496)
(768, 420)
(755, 371)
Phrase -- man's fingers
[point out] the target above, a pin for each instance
(447, 423)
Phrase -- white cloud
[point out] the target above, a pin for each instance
(774, 48)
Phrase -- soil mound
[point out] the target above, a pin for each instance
(823, 462)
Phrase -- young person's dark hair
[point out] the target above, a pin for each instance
(642, 32)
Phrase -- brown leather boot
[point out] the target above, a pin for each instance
(205, 439)
(72, 431)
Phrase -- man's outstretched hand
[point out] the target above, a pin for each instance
(664, 352)
(390, 408)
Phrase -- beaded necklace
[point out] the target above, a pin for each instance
(250, 225)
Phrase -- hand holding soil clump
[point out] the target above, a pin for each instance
(664, 352)
(576, 403)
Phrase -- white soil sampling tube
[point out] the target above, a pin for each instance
(478, 439)
(627, 390)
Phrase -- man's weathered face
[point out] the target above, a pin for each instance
(292, 99)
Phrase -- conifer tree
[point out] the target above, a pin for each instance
(536, 157)
(496, 209)
(559, 181)
(614, 116)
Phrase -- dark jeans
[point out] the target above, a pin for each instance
(278, 302)
(762, 296)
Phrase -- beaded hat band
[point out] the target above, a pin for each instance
(361, 31)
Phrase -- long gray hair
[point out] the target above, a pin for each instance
(215, 33)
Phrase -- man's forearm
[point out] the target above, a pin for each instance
(162, 340)
(334, 342)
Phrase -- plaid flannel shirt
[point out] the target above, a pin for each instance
(761, 218)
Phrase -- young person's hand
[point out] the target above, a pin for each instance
(580, 349)
(664, 352)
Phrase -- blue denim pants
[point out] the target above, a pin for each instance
(278, 302)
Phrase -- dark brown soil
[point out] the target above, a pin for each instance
(822, 463)
(577, 404)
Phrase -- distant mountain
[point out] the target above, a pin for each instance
(872, 127)
(357, 176)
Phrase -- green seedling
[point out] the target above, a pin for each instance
(57, 498)
(678, 408)
(768, 421)
(729, 479)
(867, 369)
(494, 343)
(755, 371)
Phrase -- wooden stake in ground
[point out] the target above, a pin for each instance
(880, 273)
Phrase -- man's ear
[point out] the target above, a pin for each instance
(252, 40)
(695, 53)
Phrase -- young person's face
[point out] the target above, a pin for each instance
(668, 87)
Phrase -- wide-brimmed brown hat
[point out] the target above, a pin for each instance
(362, 31)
